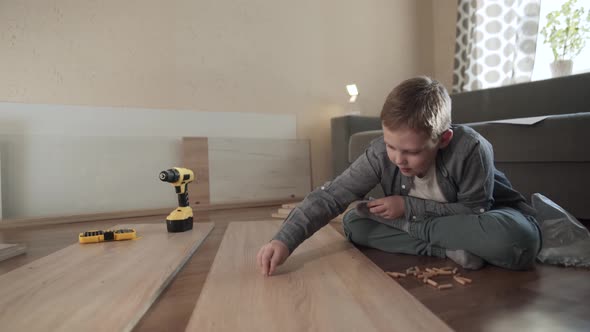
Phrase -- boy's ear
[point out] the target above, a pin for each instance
(445, 138)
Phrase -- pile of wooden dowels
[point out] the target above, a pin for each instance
(284, 210)
(427, 275)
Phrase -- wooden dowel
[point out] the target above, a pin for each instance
(395, 274)
(445, 286)
(459, 280)
(467, 280)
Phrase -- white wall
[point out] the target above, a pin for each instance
(444, 22)
(1, 213)
(256, 56)
(273, 57)
(67, 160)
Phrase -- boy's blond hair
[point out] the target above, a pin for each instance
(419, 103)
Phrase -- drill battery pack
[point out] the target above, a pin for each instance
(180, 220)
(108, 235)
(177, 226)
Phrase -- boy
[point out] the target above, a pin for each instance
(443, 195)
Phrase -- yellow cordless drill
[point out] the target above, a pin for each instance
(181, 219)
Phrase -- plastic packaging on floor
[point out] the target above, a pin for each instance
(565, 240)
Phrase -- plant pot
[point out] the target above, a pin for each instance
(561, 68)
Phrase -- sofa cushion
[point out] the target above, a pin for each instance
(563, 95)
(558, 138)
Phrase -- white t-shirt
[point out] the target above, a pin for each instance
(427, 187)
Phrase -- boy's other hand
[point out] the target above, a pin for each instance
(271, 255)
(390, 207)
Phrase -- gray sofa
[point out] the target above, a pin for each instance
(551, 157)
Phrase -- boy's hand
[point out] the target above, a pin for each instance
(271, 255)
(390, 207)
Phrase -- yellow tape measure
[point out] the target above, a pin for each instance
(108, 235)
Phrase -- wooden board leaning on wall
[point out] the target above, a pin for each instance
(247, 169)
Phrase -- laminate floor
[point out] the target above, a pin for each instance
(546, 298)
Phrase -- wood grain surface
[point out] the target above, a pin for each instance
(545, 298)
(195, 156)
(326, 285)
(10, 250)
(258, 168)
(247, 169)
(100, 287)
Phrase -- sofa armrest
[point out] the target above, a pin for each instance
(359, 142)
(342, 128)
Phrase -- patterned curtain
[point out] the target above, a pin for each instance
(496, 43)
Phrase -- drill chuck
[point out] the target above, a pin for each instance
(170, 175)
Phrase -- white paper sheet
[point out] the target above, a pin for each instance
(523, 121)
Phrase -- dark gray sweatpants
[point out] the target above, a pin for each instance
(503, 237)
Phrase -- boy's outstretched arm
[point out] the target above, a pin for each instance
(321, 206)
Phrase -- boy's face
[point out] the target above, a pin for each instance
(413, 152)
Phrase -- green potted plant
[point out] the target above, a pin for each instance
(566, 33)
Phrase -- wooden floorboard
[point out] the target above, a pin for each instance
(546, 298)
(536, 300)
(101, 286)
(326, 285)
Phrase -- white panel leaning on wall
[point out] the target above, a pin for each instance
(66, 160)
(1, 214)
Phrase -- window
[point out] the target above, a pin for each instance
(544, 55)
